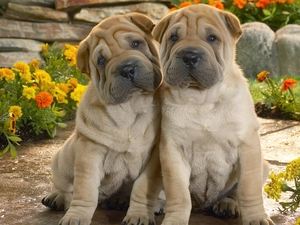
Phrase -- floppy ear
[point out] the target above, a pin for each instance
(82, 57)
(160, 28)
(142, 21)
(233, 24)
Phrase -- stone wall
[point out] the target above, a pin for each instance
(25, 25)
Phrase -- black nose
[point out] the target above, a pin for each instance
(128, 71)
(190, 58)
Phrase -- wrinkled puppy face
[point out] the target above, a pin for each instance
(121, 57)
(197, 45)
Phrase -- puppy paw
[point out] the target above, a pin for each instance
(266, 221)
(74, 219)
(57, 200)
(226, 208)
(116, 203)
(138, 220)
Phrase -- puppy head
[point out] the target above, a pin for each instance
(197, 45)
(121, 57)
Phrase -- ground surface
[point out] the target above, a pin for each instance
(25, 181)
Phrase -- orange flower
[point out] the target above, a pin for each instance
(240, 3)
(172, 9)
(262, 76)
(184, 4)
(196, 1)
(288, 83)
(262, 3)
(43, 99)
(216, 3)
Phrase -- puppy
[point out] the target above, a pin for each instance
(117, 120)
(210, 147)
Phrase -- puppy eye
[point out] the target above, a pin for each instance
(135, 44)
(211, 38)
(101, 60)
(174, 37)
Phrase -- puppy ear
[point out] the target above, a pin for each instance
(160, 28)
(82, 57)
(142, 21)
(233, 24)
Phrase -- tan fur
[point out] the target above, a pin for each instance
(114, 135)
(209, 131)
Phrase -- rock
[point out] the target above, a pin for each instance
(256, 50)
(288, 45)
(12, 45)
(95, 15)
(49, 3)
(34, 13)
(47, 32)
(69, 4)
(7, 59)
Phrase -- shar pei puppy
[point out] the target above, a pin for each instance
(210, 149)
(117, 120)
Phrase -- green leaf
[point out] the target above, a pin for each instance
(267, 12)
(62, 125)
(13, 151)
(14, 138)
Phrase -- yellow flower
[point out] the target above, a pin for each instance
(64, 87)
(45, 47)
(42, 75)
(21, 67)
(16, 111)
(262, 76)
(35, 63)
(72, 83)
(76, 95)
(70, 53)
(60, 95)
(297, 221)
(292, 169)
(273, 188)
(26, 76)
(7, 74)
(29, 92)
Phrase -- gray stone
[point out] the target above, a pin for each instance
(47, 32)
(69, 4)
(7, 59)
(256, 50)
(95, 15)
(30, 2)
(288, 46)
(25, 45)
(34, 13)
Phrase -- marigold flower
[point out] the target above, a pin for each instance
(76, 95)
(240, 3)
(72, 83)
(172, 9)
(7, 74)
(262, 3)
(28, 92)
(196, 1)
(273, 188)
(184, 4)
(35, 63)
(64, 87)
(26, 76)
(70, 53)
(16, 111)
(288, 83)
(262, 76)
(44, 47)
(298, 221)
(43, 99)
(216, 3)
(292, 169)
(21, 67)
(12, 123)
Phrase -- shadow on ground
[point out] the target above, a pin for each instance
(26, 180)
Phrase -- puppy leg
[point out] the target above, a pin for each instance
(145, 193)
(227, 207)
(176, 175)
(250, 190)
(62, 177)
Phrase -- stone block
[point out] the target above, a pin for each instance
(288, 45)
(95, 15)
(8, 59)
(46, 32)
(34, 13)
(24, 45)
(256, 50)
(49, 3)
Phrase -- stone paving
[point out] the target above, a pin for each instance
(24, 181)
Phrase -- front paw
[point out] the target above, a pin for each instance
(57, 200)
(138, 220)
(75, 219)
(264, 221)
(226, 208)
